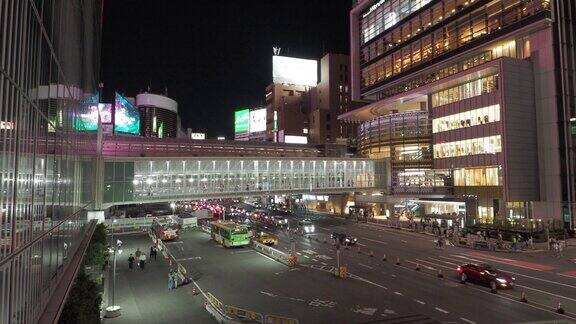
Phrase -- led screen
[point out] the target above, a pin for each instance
(241, 120)
(258, 120)
(88, 111)
(292, 70)
(198, 136)
(126, 116)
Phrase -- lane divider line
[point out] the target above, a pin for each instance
(419, 301)
(441, 310)
(467, 320)
(398, 293)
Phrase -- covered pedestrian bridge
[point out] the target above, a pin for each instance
(147, 180)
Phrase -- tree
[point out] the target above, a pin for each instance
(83, 303)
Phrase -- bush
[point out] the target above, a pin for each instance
(83, 303)
(95, 254)
(99, 234)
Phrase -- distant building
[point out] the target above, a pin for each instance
(158, 115)
(330, 98)
(287, 111)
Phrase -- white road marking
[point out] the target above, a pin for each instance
(419, 301)
(398, 293)
(324, 257)
(309, 252)
(323, 263)
(298, 253)
(190, 258)
(306, 256)
(366, 281)
(389, 311)
(365, 266)
(324, 228)
(467, 320)
(322, 303)
(372, 240)
(422, 265)
(242, 251)
(361, 244)
(404, 241)
(365, 311)
(441, 310)
(315, 260)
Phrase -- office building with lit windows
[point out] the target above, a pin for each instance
(49, 66)
(472, 102)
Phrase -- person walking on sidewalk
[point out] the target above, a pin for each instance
(131, 262)
(138, 254)
(153, 252)
(142, 261)
(170, 280)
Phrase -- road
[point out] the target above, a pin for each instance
(378, 289)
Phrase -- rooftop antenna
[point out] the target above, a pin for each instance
(276, 50)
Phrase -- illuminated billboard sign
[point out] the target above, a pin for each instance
(258, 120)
(241, 120)
(88, 112)
(126, 116)
(292, 70)
(198, 136)
(295, 139)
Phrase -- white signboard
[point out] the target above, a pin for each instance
(292, 70)
(295, 139)
(258, 120)
(198, 136)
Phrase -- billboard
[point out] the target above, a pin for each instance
(293, 70)
(88, 112)
(295, 139)
(126, 116)
(258, 120)
(198, 136)
(241, 120)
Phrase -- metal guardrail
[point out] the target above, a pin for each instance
(136, 224)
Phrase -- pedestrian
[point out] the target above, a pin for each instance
(170, 280)
(138, 254)
(560, 248)
(131, 262)
(142, 261)
(152, 252)
(531, 243)
(514, 242)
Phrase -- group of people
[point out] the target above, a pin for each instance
(172, 280)
(140, 258)
(556, 247)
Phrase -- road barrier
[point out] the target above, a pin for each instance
(243, 314)
(131, 225)
(273, 319)
(277, 255)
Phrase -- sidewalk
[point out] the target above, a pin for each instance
(144, 295)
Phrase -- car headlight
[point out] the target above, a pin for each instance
(500, 280)
(312, 228)
(347, 240)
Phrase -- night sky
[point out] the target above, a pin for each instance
(213, 56)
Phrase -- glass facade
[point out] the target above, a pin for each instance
(150, 180)
(429, 34)
(49, 61)
(385, 14)
(475, 146)
(485, 176)
(464, 91)
(480, 116)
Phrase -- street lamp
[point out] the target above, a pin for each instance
(113, 310)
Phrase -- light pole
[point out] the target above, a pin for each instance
(113, 310)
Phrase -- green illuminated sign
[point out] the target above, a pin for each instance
(241, 121)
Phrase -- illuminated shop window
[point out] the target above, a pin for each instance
(470, 118)
(464, 91)
(475, 146)
(485, 176)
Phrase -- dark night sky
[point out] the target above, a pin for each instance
(213, 55)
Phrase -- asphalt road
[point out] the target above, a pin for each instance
(378, 290)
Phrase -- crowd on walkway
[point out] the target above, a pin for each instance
(140, 258)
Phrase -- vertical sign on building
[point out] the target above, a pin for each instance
(241, 123)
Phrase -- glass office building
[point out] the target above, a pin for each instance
(496, 80)
(49, 62)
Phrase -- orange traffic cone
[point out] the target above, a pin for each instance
(384, 257)
(371, 253)
(359, 250)
(398, 261)
(559, 309)
(440, 275)
(194, 291)
(417, 266)
(523, 297)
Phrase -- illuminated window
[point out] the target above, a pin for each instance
(475, 146)
(470, 118)
(485, 176)
(464, 91)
